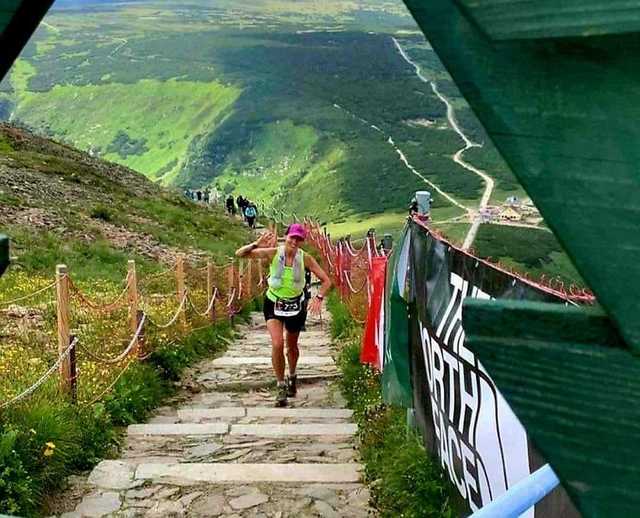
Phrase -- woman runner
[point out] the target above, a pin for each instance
(284, 307)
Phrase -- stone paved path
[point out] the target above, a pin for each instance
(223, 449)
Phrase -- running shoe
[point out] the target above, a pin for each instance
(292, 390)
(281, 397)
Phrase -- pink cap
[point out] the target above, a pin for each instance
(296, 229)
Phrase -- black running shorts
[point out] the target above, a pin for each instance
(292, 324)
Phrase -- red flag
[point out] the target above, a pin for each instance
(372, 338)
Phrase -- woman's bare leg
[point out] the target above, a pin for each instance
(293, 352)
(276, 331)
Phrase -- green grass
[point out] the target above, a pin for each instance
(277, 160)
(181, 223)
(166, 115)
(408, 481)
(38, 252)
(5, 146)
(453, 232)
(82, 436)
(388, 222)
(357, 226)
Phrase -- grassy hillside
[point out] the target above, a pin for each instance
(303, 106)
(147, 125)
(273, 99)
(59, 205)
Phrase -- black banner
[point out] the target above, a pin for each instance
(462, 416)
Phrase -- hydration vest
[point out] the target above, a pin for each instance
(277, 270)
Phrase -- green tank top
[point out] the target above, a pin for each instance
(287, 290)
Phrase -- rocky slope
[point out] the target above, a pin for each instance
(50, 191)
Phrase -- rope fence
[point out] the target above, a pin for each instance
(98, 341)
(28, 296)
(26, 393)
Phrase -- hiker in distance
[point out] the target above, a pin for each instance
(284, 307)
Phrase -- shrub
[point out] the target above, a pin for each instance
(135, 394)
(341, 321)
(18, 491)
(102, 212)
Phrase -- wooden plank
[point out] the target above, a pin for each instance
(534, 19)
(555, 111)
(574, 385)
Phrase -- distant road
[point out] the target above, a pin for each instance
(123, 43)
(458, 157)
(404, 159)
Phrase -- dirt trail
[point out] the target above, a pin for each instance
(458, 157)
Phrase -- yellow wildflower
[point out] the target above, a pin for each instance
(50, 449)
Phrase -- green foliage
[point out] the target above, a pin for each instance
(136, 393)
(41, 251)
(98, 437)
(102, 212)
(137, 125)
(408, 482)
(40, 442)
(171, 360)
(181, 223)
(17, 488)
(341, 322)
(45, 439)
(281, 115)
(522, 245)
(536, 252)
(5, 146)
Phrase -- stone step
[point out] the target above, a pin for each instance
(222, 473)
(213, 385)
(231, 361)
(262, 351)
(178, 429)
(259, 430)
(190, 415)
(196, 414)
(279, 430)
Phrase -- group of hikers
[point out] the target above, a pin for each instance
(248, 209)
(206, 196)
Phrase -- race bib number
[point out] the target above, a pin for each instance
(287, 307)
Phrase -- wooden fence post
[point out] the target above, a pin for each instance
(211, 291)
(249, 281)
(230, 283)
(133, 301)
(241, 284)
(180, 286)
(64, 317)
